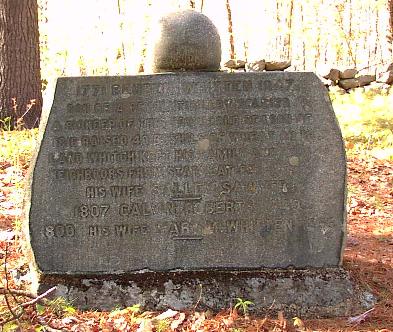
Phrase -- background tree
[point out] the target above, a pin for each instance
(232, 53)
(390, 29)
(20, 81)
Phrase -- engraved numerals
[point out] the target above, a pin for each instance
(60, 230)
(91, 211)
(90, 90)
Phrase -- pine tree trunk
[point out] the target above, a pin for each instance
(20, 80)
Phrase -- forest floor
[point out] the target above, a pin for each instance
(368, 257)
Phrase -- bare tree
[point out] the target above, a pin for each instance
(230, 31)
(20, 79)
(289, 36)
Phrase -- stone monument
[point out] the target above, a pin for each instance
(162, 189)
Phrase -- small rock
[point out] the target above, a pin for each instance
(366, 79)
(390, 67)
(386, 77)
(7, 236)
(256, 66)
(334, 75)
(348, 73)
(348, 83)
(277, 65)
(352, 83)
(235, 64)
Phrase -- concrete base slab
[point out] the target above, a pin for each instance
(304, 293)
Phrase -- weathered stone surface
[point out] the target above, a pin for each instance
(386, 77)
(348, 73)
(186, 41)
(277, 65)
(311, 293)
(235, 64)
(188, 171)
(256, 66)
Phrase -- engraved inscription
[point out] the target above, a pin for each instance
(91, 211)
(188, 165)
(59, 231)
(99, 231)
(230, 226)
(66, 158)
(91, 90)
(132, 230)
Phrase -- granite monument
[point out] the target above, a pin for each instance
(189, 177)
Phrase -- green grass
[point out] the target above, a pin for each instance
(366, 120)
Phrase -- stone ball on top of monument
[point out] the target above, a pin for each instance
(185, 41)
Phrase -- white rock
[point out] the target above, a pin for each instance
(6, 236)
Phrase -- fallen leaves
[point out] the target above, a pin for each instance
(369, 253)
(11, 193)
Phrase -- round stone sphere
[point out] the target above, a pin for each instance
(186, 41)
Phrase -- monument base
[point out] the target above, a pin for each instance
(304, 293)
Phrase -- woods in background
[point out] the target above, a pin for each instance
(112, 37)
(100, 37)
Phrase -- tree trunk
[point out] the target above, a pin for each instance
(390, 32)
(289, 41)
(20, 80)
(232, 53)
